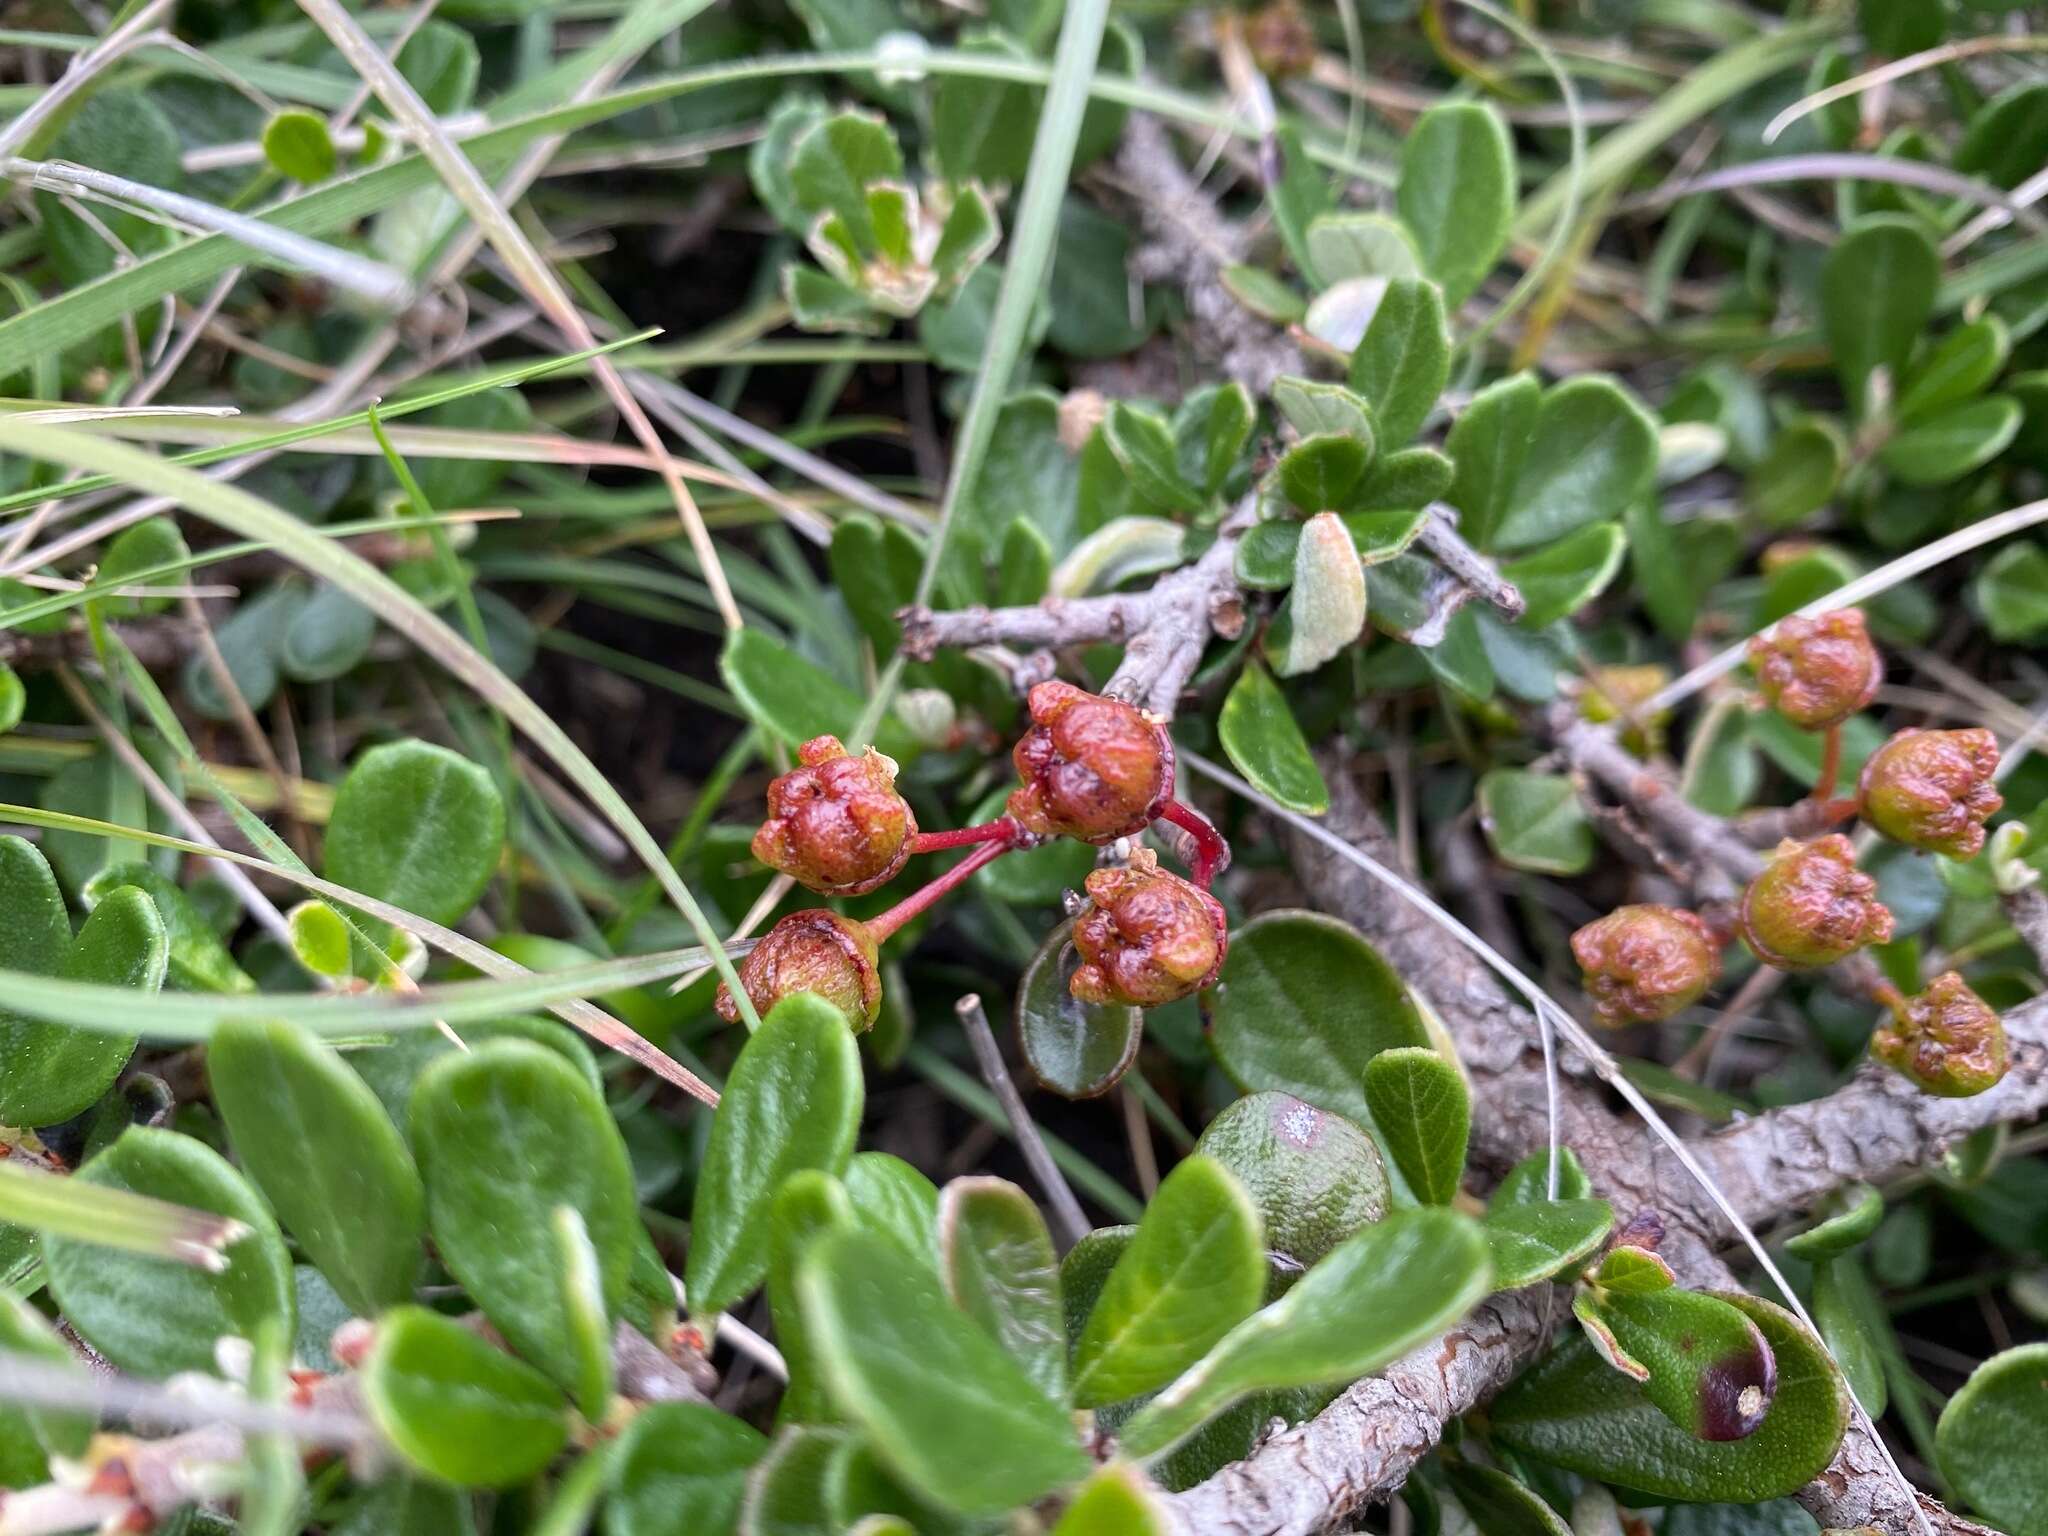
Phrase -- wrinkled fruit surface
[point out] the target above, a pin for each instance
(1817, 672)
(813, 951)
(1645, 963)
(836, 824)
(1093, 768)
(1812, 906)
(1146, 937)
(1947, 1040)
(1933, 790)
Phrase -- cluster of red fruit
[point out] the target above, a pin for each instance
(1093, 768)
(1811, 906)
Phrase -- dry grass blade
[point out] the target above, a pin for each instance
(1898, 69)
(115, 1218)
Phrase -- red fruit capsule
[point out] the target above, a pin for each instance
(836, 824)
(1093, 768)
(1146, 937)
(813, 951)
(1933, 789)
(1812, 906)
(1817, 672)
(1645, 963)
(1948, 1040)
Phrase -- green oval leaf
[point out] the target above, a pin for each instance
(1265, 744)
(1956, 368)
(1572, 1409)
(1116, 1501)
(1194, 1270)
(794, 698)
(505, 1133)
(1857, 1210)
(1709, 1370)
(1143, 445)
(1076, 1049)
(457, 1408)
(1537, 1240)
(933, 1393)
(1422, 1109)
(1457, 193)
(198, 960)
(1375, 1297)
(1876, 293)
(153, 1316)
(1993, 1440)
(809, 1202)
(313, 1137)
(680, 1469)
(1303, 1004)
(1500, 1505)
(1404, 359)
(1591, 453)
(793, 1102)
(1535, 821)
(1319, 473)
(1000, 1269)
(1313, 1177)
(1799, 474)
(1559, 580)
(1950, 443)
(297, 145)
(417, 826)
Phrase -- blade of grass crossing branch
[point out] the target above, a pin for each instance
(1024, 271)
(240, 513)
(527, 264)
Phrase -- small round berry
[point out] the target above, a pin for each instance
(1146, 937)
(1645, 963)
(1948, 1040)
(1093, 768)
(1817, 672)
(1812, 906)
(1933, 789)
(836, 824)
(813, 951)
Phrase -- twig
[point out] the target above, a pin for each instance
(988, 1056)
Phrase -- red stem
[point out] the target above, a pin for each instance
(917, 901)
(1830, 763)
(1002, 829)
(1212, 853)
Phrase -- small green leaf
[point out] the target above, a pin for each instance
(313, 1137)
(835, 162)
(328, 637)
(1956, 368)
(1528, 1182)
(1591, 453)
(1403, 481)
(1876, 293)
(1297, 197)
(1000, 1269)
(933, 1392)
(1265, 295)
(792, 697)
(793, 1101)
(1078, 1050)
(248, 641)
(1857, 1211)
(1404, 359)
(891, 1197)
(320, 940)
(199, 961)
(1851, 1317)
(455, 1407)
(1573, 1410)
(2007, 139)
(1421, 1106)
(1993, 1440)
(417, 826)
(1949, 443)
(1143, 445)
(1194, 1270)
(1116, 1501)
(790, 1490)
(1319, 473)
(1326, 606)
(809, 1202)
(2012, 591)
(1457, 193)
(1263, 742)
(1313, 407)
(1488, 444)
(680, 1469)
(1347, 245)
(1501, 1506)
(875, 567)
(1562, 578)
(1708, 1368)
(1630, 1270)
(1313, 1177)
(1303, 1004)
(149, 544)
(1535, 821)
(1264, 559)
(154, 1316)
(1210, 428)
(1375, 1297)
(505, 1133)
(13, 698)
(1120, 549)
(297, 145)
(1543, 1239)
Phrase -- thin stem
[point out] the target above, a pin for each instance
(914, 904)
(1073, 1222)
(1212, 853)
(1830, 763)
(1002, 829)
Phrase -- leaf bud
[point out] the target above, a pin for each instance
(813, 951)
(1093, 768)
(1812, 906)
(1817, 672)
(835, 823)
(1146, 936)
(1947, 1040)
(1645, 963)
(1933, 789)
